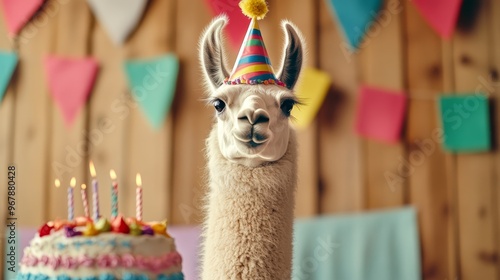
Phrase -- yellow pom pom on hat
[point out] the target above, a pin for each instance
(253, 65)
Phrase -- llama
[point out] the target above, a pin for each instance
(251, 155)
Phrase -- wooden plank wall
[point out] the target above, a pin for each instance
(456, 195)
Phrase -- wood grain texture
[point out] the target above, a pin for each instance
(475, 172)
(193, 118)
(110, 108)
(429, 190)
(68, 144)
(493, 81)
(32, 120)
(381, 65)
(340, 159)
(456, 196)
(149, 151)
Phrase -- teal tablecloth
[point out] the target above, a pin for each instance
(381, 245)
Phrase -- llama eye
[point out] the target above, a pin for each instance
(219, 105)
(287, 106)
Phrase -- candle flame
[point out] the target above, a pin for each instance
(112, 174)
(92, 169)
(72, 183)
(57, 183)
(138, 180)
(84, 186)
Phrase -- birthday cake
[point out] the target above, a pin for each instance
(122, 249)
(96, 248)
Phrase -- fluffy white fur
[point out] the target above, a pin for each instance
(251, 153)
(249, 225)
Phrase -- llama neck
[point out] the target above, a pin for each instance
(249, 226)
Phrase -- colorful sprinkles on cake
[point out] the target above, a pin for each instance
(253, 65)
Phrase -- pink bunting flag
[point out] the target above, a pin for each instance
(442, 15)
(380, 114)
(70, 81)
(238, 23)
(18, 12)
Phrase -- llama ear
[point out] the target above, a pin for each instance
(293, 56)
(211, 56)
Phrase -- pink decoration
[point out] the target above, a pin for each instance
(44, 260)
(380, 114)
(69, 262)
(70, 81)
(55, 262)
(103, 261)
(128, 261)
(86, 261)
(154, 264)
(442, 15)
(238, 22)
(17, 13)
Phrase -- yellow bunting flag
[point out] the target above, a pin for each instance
(311, 90)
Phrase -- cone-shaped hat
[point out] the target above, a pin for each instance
(253, 65)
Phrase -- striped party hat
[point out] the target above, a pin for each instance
(253, 65)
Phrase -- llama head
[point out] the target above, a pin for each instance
(252, 119)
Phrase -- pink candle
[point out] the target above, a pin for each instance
(138, 197)
(85, 201)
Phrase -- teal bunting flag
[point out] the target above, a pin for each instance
(8, 62)
(355, 17)
(153, 83)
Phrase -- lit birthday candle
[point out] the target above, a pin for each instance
(83, 191)
(114, 194)
(95, 191)
(71, 205)
(138, 197)
(57, 183)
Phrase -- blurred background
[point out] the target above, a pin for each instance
(454, 194)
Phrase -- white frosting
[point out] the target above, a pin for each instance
(116, 246)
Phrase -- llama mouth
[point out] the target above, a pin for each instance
(251, 140)
(253, 144)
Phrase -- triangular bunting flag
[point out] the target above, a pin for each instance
(311, 90)
(119, 17)
(70, 81)
(442, 15)
(238, 22)
(355, 17)
(153, 84)
(17, 13)
(8, 62)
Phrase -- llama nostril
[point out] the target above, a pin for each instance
(261, 119)
(254, 119)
